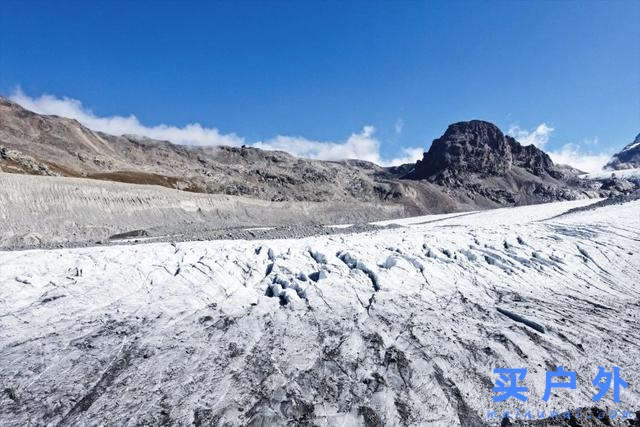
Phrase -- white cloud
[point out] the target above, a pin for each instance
(411, 155)
(538, 137)
(398, 126)
(572, 154)
(362, 145)
(191, 134)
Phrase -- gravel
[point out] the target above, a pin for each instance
(202, 233)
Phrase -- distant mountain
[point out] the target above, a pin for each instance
(479, 147)
(628, 158)
(476, 157)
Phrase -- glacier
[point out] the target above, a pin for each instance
(400, 326)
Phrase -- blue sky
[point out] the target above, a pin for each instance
(382, 76)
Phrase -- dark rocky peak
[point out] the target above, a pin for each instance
(532, 159)
(478, 147)
(628, 158)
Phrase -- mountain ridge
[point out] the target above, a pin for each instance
(36, 144)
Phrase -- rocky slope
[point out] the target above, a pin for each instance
(628, 158)
(55, 211)
(476, 157)
(480, 147)
(48, 145)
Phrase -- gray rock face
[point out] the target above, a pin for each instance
(13, 159)
(617, 185)
(628, 158)
(479, 147)
(476, 158)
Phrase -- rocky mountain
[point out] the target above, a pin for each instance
(37, 144)
(479, 147)
(476, 157)
(472, 166)
(628, 158)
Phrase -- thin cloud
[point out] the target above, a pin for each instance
(538, 137)
(191, 134)
(398, 126)
(572, 154)
(360, 145)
